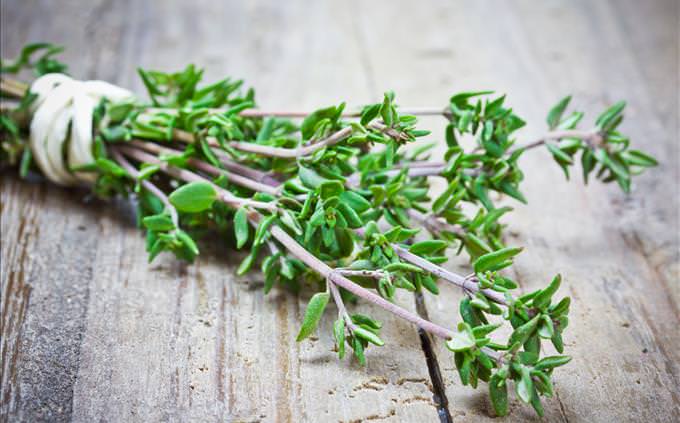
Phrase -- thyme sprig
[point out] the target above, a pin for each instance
(340, 204)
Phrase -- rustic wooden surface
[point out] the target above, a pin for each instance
(90, 332)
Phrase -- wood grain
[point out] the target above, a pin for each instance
(91, 332)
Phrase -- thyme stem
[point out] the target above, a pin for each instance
(342, 310)
(467, 284)
(255, 113)
(235, 177)
(153, 189)
(289, 153)
(185, 175)
(326, 271)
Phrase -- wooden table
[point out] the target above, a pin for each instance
(91, 332)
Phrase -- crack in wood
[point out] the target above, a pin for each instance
(438, 388)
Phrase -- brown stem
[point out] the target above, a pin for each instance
(268, 151)
(236, 178)
(257, 175)
(592, 137)
(375, 274)
(326, 271)
(290, 153)
(467, 284)
(342, 310)
(255, 113)
(153, 189)
(185, 175)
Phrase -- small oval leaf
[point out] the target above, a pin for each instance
(194, 197)
(313, 314)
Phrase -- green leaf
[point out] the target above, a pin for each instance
(266, 130)
(638, 158)
(339, 334)
(498, 392)
(403, 267)
(310, 178)
(483, 330)
(461, 341)
(555, 114)
(309, 124)
(158, 222)
(187, 242)
(367, 335)
(355, 201)
(353, 219)
(108, 166)
(551, 362)
(522, 333)
(606, 121)
(247, 263)
(443, 199)
(560, 308)
(26, 159)
(386, 109)
(603, 157)
(542, 299)
(460, 98)
(545, 327)
(362, 319)
(480, 302)
(481, 192)
(241, 227)
(587, 163)
(463, 362)
(358, 346)
(511, 189)
(330, 188)
(491, 261)
(44, 64)
(525, 386)
(560, 156)
(288, 219)
(369, 113)
(313, 314)
(557, 341)
(193, 197)
(536, 402)
(429, 247)
(542, 383)
(146, 171)
(262, 229)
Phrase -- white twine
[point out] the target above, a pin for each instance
(61, 129)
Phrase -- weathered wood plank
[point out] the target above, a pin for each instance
(625, 306)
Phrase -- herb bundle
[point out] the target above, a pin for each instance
(338, 202)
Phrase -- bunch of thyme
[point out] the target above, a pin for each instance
(333, 201)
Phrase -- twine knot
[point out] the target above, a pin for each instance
(61, 133)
